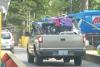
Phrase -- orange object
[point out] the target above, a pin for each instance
(5, 58)
(11, 63)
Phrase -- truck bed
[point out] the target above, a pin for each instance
(69, 41)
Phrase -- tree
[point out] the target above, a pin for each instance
(37, 8)
(94, 4)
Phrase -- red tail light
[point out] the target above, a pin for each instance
(85, 38)
(40, 39)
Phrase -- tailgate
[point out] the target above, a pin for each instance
(62, 41)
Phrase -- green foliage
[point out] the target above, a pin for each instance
(20, 9)
(94, 4)
(76, 6)
(57, 7)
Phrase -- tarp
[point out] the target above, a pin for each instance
(56, 21)
(66, 21)
(90, 21)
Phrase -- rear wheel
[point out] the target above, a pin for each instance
(38, 60)
(66, 59)
(78, 61)
(30, 58)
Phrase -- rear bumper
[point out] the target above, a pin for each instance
(7, 47)
(61, 52)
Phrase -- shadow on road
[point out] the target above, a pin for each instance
(56, 64)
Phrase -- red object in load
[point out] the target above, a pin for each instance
(57, 22)
(5, 58)
(11, 63)
(85, 37)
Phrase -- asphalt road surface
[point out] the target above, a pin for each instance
(22, 56)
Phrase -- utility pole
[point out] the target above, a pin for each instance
(28, 25)
(0, 33)
(29, 22)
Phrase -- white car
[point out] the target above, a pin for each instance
(7, 40)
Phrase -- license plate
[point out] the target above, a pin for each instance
(63, 52)
(7, 46)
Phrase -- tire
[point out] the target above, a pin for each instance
(78, 61)
(38, 60)
(66, 59)
(30, 58)
(12, 50)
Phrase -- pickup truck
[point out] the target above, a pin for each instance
(65, 45)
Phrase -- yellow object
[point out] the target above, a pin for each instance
(0, 28)
(3, 52)
(0, 34)
(24, 41)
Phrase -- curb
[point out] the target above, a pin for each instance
(92, 56)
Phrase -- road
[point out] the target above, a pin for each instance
(22, 56)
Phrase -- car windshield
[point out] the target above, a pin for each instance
(5, 36)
